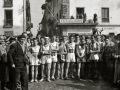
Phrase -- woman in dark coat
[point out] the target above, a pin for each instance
(4, 74)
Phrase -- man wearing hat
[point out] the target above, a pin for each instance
(18, 60)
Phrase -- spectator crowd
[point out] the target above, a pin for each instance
(44, 58)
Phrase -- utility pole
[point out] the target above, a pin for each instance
(24, 15)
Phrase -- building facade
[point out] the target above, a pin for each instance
(83, 16)
(12, 17)
(87, 15)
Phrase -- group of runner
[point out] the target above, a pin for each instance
(76, 56)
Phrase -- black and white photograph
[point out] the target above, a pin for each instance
(59, 44)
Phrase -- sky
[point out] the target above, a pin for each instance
(36, 14)
(42, 2)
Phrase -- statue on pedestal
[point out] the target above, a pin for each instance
(95, 18)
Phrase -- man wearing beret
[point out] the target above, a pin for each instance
(18, 60)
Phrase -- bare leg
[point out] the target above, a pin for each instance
(72, 68)
(62, 69)
(66, 69)
(32, 70)
(42, 72)
(36, 73)
(48, 71)
(78, 69)
(53, 70)
(58, 70)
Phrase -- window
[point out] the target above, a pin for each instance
(8, 21)
(7, 3)
(79, 13)
(105, 14)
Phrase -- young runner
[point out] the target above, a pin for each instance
(46, 59)
(70, 57)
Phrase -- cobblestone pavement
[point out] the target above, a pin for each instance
(71, 85)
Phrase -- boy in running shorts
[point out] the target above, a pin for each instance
(46, 59)
(54, 49)
(70, 57)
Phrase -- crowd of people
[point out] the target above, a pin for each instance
(49, 58)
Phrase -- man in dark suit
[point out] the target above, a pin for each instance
(108, 60)
(18, 59)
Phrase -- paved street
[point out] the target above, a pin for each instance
(71, 85)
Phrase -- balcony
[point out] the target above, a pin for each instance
(79, 22)
(8, 3)
(8, 23)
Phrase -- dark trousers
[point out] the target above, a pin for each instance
(83, 69)
(100, 68)
(11, 78)
(21, 77)
(0, 85)
(93, 69)
(88, 74)
(109, 66)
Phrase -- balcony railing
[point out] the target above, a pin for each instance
(8, 23)
(8, 3)
(105, 20)
(80, 16)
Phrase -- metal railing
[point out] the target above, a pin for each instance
(8, 23)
